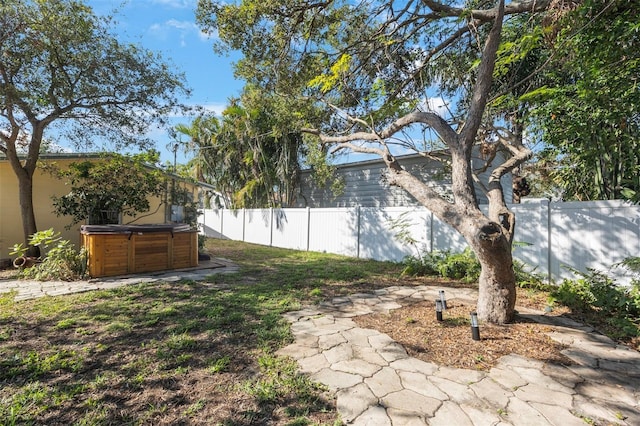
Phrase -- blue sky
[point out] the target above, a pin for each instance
(168, 27)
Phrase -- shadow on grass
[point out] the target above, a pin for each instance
(175, 353)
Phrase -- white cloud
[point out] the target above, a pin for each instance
(177, 4)
(181, 25)
(437, 105)
(215, 108)
(184, 29)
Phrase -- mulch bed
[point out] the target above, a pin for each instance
(449, 342)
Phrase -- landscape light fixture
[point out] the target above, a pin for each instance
(439, 309)
(475, 330)
(443, 300)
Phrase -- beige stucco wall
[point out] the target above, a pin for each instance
(44, 187)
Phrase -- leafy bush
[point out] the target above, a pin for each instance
(60, 259)
(465, 266)
(632, 264)
(595, 290)
(100, 191)
(427, 264)
(595, 294)
(526, 277)
(460, 266)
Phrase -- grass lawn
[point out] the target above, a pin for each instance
(191, 353)
(176, 353)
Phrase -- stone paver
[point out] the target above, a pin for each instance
(377, 383)
(26, 289)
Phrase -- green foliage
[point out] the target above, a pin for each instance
(103, 189)
(18, 250)
(585, 292)
(465, 267)
(428, 264)
(460, 266)
(60, 259)
(596, 294)
(248, 155)
(587, 116)
(526, 277)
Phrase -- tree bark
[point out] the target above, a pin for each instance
(497, 282)
(489, 240)
(24, 173)
(26, 210)
(25, 185)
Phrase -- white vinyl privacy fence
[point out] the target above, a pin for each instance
(579, 235)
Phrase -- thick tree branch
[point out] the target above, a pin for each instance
(498, 210)
(483, 81)
(520, 154)
(488, 14)
(437, 123)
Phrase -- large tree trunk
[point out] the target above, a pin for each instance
(489, 240)
(497, 283)
(25, 184)
(24, 173)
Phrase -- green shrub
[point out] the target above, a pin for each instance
(61, 261)
(595, 290)
(426, 265)
(465, 266)
(632, 264)
(527, 278)
(596, 294)
(460, 266)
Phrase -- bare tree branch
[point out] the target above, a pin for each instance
(437, 123)
(483, 81)
(488, 14)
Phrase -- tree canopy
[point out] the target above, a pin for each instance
(363, 76)
(60, 68)
(103, 189)
(587, 107)
(251, 159)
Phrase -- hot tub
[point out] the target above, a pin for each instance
(129, 249)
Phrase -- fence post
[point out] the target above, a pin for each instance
(222, 221)
(244, 224)
(270, 226)
(545, 236)
(308, 226)
(358, 232)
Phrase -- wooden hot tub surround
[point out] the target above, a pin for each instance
(129, 249)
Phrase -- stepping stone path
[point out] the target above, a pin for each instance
(377, 383)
